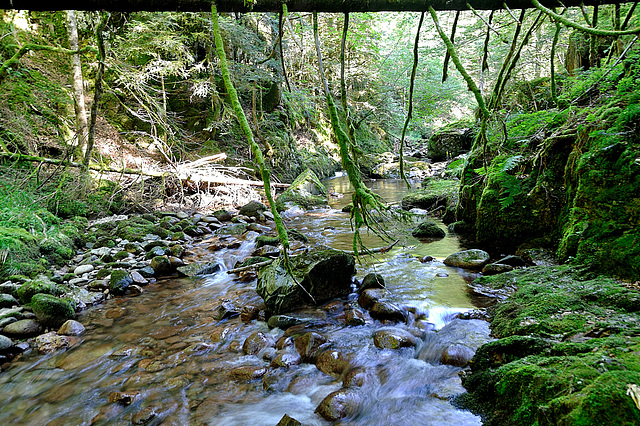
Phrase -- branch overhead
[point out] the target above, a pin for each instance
(331, 6)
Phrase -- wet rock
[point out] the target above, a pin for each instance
(222, 215)
(267, 240)
(50, 342)
(332, 362)
(496, 268)
(468, 259)
(308, 345)
(288, 421)
(356, 377)
(123, 398)
(428, 229)
(138, 278)
(256, 342)
(199, 268)
(225, 310)
(119, 282)
(386, 311)
(33, 287)
(23, 328)
(144, 416)
(286, 360)
(248, 372)
(339, 404)
(283, 321)
(135, 290)
(354, 317)
(161, 265)
(71, 328)
(250, 312)
(457, 355)
(147, 271)
(369, 297)
(324, 273)
(394, 338)
(52, 311)
(175, 262)
(371, 281)
(7, 301)
(5, 343)
(512, 260)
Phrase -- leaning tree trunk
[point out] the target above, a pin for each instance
(82, 127)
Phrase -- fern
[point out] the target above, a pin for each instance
(510, 184)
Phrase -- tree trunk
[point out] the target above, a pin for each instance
(82, 127)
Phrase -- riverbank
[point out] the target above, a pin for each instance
(567, 350)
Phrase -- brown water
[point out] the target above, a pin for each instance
(165, 348)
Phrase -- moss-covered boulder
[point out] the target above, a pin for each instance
(119, 282)
(451, 141)
(321, 274)
(428, 229)
(468, 259)
(253, 209)
(52, 311)
(306, 192)
(40, 285)
(267, 240)
(435, 195)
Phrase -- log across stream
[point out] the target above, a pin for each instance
(174, 355)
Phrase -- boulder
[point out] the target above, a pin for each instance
(253, 209)
(323, 273)
(468, 259)
(306, 192)
(7, 301)
(428, 229)
(199, 268)
(161, 265)
(371, 281)
(337, 405)
(496, 268)
(256, 342)
(23, 328)
(332, 362)
(52, 311)
(5, 343)
(451, 141)
(40, 285)
(456, 343)
(71, 328)
(394, 338)
(387, 311)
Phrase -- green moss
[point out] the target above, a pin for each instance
(119, 282)
(52, 311)
(266, 240)
(33, 287)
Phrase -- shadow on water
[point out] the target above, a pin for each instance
(179, 364)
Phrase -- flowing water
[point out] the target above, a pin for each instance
(165, 350)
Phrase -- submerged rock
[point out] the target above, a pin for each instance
(323, 273)
(199, 268)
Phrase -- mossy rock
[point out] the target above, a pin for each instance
(40, 285)
(136, 228)
(253, 209)
(119, 282)
(294, 234)
(434, 194)
(122, 254)
(428, 229)
(52, 311)
(306, 192)
(451, 140)
(252, 261)
(266, 240)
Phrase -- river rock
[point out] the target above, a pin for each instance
(468, 259)
(286, 360)
(40, 285)
(256, 342)
(354, 317)
(119, 282)
(253, 209)
(83, 269)
(71, 328)
(309, 345)
(248, 372)
(288, 421)
(324, 273)
(52, 311)
(145, 416)
(50, 342)
(138, 278)
(5, 343)
(394, 338)
(225, 310)
(23, 328)
(199, 268)
(8, 301)
(387, 311)
(161, 265)
(371, 281)
(428, 229)
(450, 142)
(283, 321)
(305, 192)
(356, 377)
(337, 405)
(456, 342)
(332, 362)
(496, 268)
(369, 297)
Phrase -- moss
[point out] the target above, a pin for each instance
(434, 194)
(52, 311)
(103, 273)
(428, 229)
(266, 240)
(119, 282)
(33, 287)
(306, 191)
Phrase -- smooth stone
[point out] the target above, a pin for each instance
(496, 268)
(370, 297)
(283, 321)
(225, 310)
(78, 281)
(8, 301)
(5, 343)
(468, 259)
(286, 360)
(332, 362)
(23, 328)
(138, 278)
(457, 355)
(286, 420)
(83, 269)
(354, 317)
(248, 372)
(337, 405)
(394, 338)
(71, 328)
(6, 321)
(256, 342)
(146, 272)
(309, 345)
(386, 311)
(199, 268)
(371, 281)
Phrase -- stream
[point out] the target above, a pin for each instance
(164, 358)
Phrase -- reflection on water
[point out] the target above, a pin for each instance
(180, 365)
